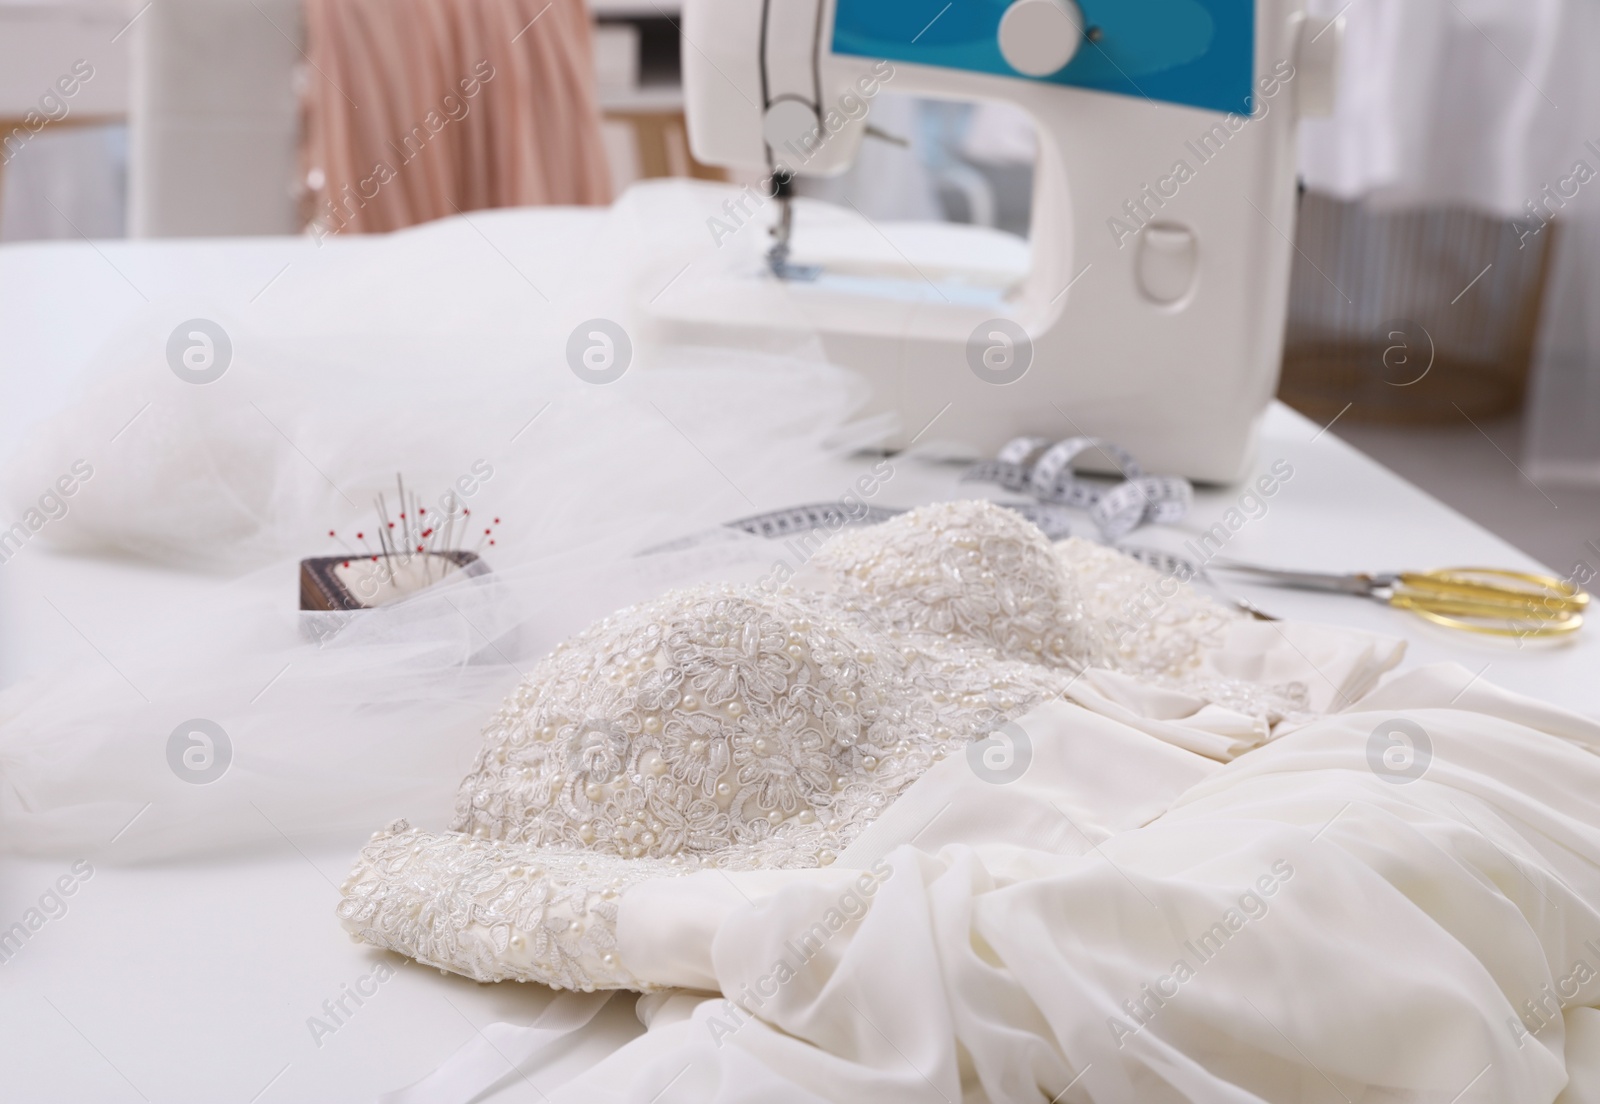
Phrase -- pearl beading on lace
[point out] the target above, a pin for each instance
(491, 911)
(723, 726)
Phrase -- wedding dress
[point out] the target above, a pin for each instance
(792, 818)
(744, 728)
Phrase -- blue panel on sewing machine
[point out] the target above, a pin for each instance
(1195, 52)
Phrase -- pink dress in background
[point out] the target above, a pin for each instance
(418, 109)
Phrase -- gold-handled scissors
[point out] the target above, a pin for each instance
(1485, 600)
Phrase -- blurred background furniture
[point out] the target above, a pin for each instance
(72, 145)
(640, 76)
(214, 120)
(194, 122)
(1414, 316)
(1453, 199)
(1469, 135)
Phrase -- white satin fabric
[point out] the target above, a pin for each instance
(482, 1063)
(1335, 667)
(1428, 940)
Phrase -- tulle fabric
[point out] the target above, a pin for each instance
(379, 362)
(422, 352)
(377, 718)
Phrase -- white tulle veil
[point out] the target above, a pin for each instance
(377, 363)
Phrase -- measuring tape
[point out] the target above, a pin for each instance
(803, 519)
(1036, 466)
(1044, 469)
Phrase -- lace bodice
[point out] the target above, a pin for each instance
(733, 727)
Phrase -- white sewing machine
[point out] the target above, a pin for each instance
(1163, 207)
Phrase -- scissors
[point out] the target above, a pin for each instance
(1486, 600)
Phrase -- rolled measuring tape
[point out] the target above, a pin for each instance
(1045, 471)
(1011, 466)
(1053, 480)
(1148, 500)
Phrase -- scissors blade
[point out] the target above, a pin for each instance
(1362, 586)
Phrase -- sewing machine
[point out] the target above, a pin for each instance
(1152, 311)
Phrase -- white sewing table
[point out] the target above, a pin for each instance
(194, 982)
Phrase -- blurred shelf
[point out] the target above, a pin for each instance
(648, 99)
(41, 42)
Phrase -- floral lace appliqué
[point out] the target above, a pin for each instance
(726, 726)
